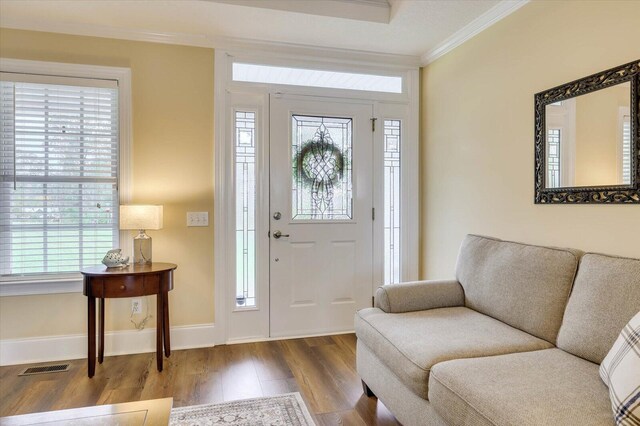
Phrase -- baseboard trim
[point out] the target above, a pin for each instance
(58, 348)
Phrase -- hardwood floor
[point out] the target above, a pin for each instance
(322, 369)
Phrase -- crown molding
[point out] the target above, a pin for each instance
(106, 32)
(493, 15)
(481, 23)
(215, 42)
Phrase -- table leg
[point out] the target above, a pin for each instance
(101, 331)
(165, 327)
(91, 356)
(159, 329)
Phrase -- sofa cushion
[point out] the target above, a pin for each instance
(605, 296)
(411, 343)
(523, 285)
(548, 387)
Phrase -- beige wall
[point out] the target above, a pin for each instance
(477, 148)
(477, 140)
(172, 165)
(598, 136)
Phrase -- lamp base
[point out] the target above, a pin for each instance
(142, 248)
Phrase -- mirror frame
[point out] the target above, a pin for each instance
(608, 194)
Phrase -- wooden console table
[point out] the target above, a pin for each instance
(131, 281)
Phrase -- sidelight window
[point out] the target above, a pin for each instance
(245, 197)
(392, 182)
(553, 158)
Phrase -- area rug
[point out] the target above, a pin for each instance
(282, 410)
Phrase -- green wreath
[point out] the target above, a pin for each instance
(319, 164)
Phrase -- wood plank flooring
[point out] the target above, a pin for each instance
(322, 369)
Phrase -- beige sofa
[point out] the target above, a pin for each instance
(516, 339)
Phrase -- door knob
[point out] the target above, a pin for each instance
(279, 234)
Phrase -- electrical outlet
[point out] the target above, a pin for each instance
(136, 306)
(197, 218)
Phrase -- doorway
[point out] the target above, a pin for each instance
(316, 195)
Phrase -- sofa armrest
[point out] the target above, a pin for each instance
(419, 296)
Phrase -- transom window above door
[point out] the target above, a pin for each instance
(269, 74)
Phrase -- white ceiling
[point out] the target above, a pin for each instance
(416, 27)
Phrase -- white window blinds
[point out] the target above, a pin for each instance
(58, 173)
(626, 151)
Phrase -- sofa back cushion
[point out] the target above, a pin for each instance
(522, 285)
(605, 296)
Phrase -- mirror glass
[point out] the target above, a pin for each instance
(588, 139)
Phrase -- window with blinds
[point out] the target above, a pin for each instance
(58, 173)
(626, 151)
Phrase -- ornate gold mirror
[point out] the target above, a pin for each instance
(586, 139)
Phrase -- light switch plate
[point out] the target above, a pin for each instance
(197, 218)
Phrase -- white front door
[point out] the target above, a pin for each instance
(321, 229)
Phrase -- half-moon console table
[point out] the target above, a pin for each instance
(131, 281)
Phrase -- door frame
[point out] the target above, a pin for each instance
(253, 96)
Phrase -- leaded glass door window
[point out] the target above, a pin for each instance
(321, 154)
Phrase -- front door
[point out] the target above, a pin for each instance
(321, 229)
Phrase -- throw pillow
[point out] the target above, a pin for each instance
(620, 370)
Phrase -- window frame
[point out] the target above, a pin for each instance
(72, 282)
(227, 58)
(409, 190)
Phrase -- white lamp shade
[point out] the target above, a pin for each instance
(140, 217)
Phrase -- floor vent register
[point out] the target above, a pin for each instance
(58, 368)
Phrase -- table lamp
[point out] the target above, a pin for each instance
(141, 217)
